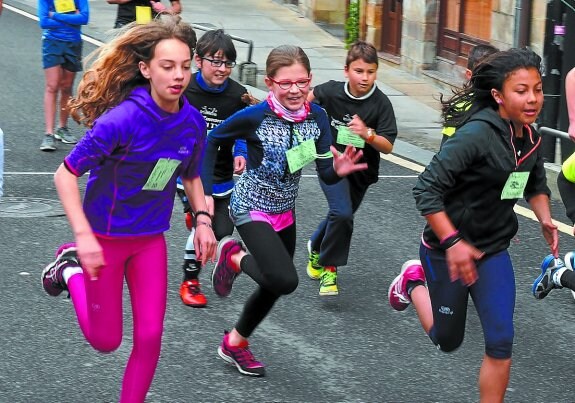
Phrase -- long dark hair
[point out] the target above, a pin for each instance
(489, 74)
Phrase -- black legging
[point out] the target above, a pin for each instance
(270, 265)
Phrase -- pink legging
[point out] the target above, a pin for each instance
(98, 305)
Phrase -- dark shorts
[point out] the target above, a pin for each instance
(60, 53)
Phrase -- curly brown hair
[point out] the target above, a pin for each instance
(114, 71)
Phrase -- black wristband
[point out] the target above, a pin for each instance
(202, 212)
(450, 241)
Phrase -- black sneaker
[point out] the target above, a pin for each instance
(52, 279)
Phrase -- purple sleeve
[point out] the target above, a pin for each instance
(193, 164)
(93, 148)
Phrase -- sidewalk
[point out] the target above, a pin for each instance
(269, 24)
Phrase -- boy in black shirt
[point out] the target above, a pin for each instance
(360, 114)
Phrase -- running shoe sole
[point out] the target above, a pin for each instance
(544, 265)
(230, 360)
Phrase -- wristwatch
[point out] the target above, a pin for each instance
(370, 135)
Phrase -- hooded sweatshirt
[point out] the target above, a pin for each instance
(121, 151)
(467, 176)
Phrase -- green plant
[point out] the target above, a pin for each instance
(352, 23)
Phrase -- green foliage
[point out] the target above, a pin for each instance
(352, 24)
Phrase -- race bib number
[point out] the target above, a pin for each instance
(161, 174)
(515, 185)
(301, 155)
(64, 6)
(143, 14)
(345, 136)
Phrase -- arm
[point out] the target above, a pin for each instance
(204, 240)
(89, 250)
(240, 155)
(80, 17)
(432, 184)
(540, 206)
(570, 96)
(45, 16)
(380, 143)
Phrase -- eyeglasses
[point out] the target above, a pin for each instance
(218, 63)
(287, 84)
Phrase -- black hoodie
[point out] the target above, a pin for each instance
(467, 176)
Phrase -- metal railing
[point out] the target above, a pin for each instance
(248, 69)
(553, 132)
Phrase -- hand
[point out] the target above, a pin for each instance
(346, 162)
(158, 6)
(551, 235)
(90, 254)
(461, 259)
(239, 165)
(205, 243)
(358, 127)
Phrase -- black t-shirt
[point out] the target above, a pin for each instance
(376, 111)
(215, 108)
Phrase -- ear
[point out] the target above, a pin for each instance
(198, 61)
(497, 96)
(144, 70)
(468, 74)
(269, 83)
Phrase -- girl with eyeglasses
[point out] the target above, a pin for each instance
(282, 133)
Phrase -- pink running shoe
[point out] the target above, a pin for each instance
(224, 274)
(397, 294)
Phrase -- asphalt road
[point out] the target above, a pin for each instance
(350, 348)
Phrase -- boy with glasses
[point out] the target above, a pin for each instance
(216, 96)
(361, 115)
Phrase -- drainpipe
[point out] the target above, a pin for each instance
(521, 33)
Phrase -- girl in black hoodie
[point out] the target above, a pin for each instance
(467, 194)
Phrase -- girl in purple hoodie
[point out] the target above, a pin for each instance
(143, 135)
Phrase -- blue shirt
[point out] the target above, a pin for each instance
(63, 26)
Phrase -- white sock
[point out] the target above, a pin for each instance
(70, 271)
(556, 278)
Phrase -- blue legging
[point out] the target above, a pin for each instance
(493, 295)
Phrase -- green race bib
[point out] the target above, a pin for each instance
(515, 185)
(301, 155)
(161, 174)
(345, 136)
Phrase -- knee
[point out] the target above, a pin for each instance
(66, 90)
(106, 343)
(284, 285)
(501, 348)
(342, 215)
(446, 342)
(149, 338)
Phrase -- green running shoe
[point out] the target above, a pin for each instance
(314, 270)
(328, 281)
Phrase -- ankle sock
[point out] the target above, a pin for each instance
(412, 284)
(70, 271)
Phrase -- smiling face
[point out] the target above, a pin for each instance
(213, 76)
(168, 72)
(361, 76)
(294, 97)
(521, 98)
